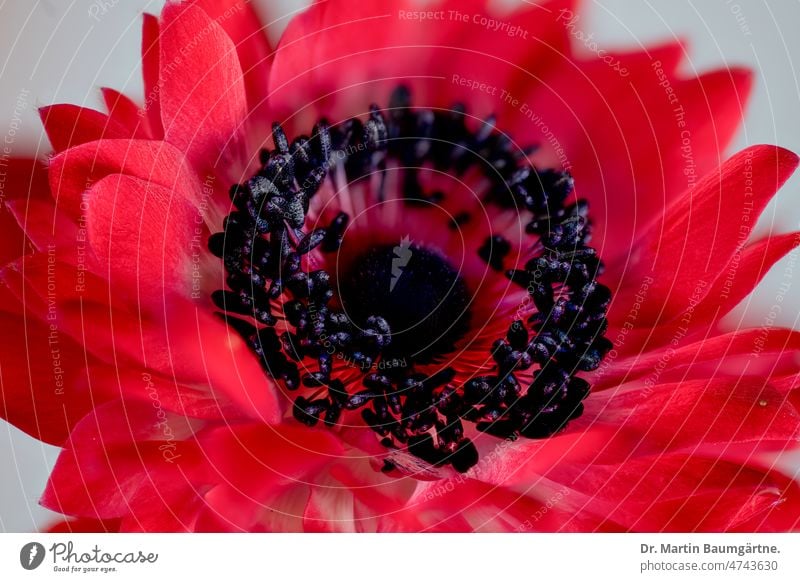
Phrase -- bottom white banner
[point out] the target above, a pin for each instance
(400, 557)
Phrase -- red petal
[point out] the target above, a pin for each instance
(25, 178)
(465, 504)
(740, 352)
(190, 342)
(164, 503)
(203, 101)
(113, 453)
(681, 493)
(687, 250)
(143, 233)
(734, 283)
(73, 172)
(139, 383)
(241, 23)
(620, 136)
(694, 413)
(229, 510)
(69, 125)
(127, 114)
(256, 458)
(45, 378)
(48, 229)
(330, 509)
(31, 280)
(13, 242)
(22, 180)
(338, 57)
(744, 271)
(181, 341)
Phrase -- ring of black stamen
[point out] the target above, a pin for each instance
(264, 239)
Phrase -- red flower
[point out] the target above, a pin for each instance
(393, 319)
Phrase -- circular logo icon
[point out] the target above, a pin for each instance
(31, 555)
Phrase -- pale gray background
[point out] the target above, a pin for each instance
(57, 52)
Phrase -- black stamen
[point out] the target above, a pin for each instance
(404, 305)
(494, 250)
(459, 220)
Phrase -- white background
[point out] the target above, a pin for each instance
(57, 52)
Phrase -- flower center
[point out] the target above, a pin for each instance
(337, 342)
(421, 297)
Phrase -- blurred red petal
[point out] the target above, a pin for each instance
(113, 453)
(46, 379)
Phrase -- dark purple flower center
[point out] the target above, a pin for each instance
(401, 306)
(416, 291)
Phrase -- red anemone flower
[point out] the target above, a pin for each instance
(406, 271)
